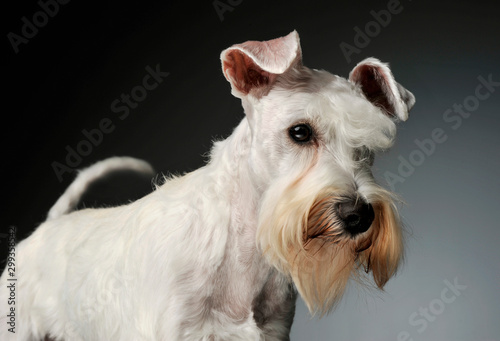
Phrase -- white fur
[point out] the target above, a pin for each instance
(189, 261)
(68, 201)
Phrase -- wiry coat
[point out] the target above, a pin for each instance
(218, 253)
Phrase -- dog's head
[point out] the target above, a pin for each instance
(322, 220)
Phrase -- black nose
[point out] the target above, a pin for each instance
(356, 215)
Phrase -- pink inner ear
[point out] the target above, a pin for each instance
(252, 67)
(244, 73)
(374, 86)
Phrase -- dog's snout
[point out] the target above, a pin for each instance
(356, 215)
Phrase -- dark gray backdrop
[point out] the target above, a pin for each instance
(67, 70)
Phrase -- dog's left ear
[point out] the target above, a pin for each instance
(252, 67)
(377, 83)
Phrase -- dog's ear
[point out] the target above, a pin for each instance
(377, 83)
(252, 67)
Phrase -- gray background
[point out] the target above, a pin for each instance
(66, 77)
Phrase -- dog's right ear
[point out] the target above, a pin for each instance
(252, 67)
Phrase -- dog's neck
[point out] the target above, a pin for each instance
(247, 274)
(230, 162)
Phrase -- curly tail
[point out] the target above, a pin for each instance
(68, 201)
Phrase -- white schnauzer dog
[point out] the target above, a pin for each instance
(286, 204)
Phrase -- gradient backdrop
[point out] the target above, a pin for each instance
(70, 70)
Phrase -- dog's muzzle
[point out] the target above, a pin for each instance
(356, 215)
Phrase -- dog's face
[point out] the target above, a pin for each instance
(325, 120)
(323, 219)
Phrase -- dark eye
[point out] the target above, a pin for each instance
(301, 133)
